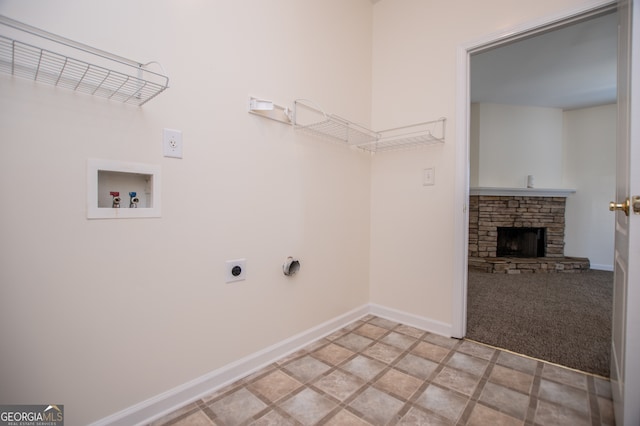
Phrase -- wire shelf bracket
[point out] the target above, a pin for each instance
(35, 54)
(270, 110)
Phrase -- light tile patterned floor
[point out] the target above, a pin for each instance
(379, 372)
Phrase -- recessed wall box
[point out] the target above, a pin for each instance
(106, 177)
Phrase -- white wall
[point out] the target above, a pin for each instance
(415, 43)
(515, 141)
(102, 314)
(589, 167)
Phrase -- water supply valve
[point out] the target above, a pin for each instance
(133, 200)
(116, 199)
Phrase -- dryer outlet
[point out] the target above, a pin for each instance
(236, 270)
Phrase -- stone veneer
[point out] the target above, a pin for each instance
(488, 212)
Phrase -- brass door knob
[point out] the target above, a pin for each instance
(613, 206)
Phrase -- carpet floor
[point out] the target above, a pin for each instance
(560, 318)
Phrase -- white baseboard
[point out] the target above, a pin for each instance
(402, 317)
(600, 267)
(173, 399)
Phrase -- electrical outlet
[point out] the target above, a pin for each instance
(172, 143)
(236, 270)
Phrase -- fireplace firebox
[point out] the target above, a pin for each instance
(521, 242)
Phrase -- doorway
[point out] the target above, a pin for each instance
(467, 159)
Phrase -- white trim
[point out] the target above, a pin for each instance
(522, 192)
(461, 200)
(600, 267)
(543, 23)
(173, 399)
(416, 321)
(461, 188)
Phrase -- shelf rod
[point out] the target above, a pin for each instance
(13, 57)
(119, 87)
(86, 70)
(66, 60)
(102, 82)
(38, 67)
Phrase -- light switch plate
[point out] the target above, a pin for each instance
(172, 143)
(428, 176)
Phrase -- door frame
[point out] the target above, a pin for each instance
(463, 112)
(625, 370)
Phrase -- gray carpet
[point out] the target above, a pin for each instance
(562, 318)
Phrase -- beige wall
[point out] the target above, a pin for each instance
(415, 43)
(102, 314)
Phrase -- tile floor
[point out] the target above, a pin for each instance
(379, 372)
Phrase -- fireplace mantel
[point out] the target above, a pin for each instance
(522, 192)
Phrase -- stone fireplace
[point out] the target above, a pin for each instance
(521, 232)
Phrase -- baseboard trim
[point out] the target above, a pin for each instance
(166, 402)
(600, 267)
(402, 317)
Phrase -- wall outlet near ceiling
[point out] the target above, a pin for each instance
(235, 270)
(172, 143)
(429, 176)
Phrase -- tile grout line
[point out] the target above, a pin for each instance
(474, 399)
(533, 394)
(594, 407)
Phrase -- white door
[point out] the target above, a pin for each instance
(625, 352)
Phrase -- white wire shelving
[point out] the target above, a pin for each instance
(35, 54)
(407, 137)
(308, 117)
(313, 120)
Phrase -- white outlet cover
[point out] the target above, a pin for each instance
(172, 143)
(232, 273)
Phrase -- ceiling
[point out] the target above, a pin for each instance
(569, 68)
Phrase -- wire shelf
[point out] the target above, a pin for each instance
(331, 126)
(408, 137)
(310, 118)
(115, 78)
